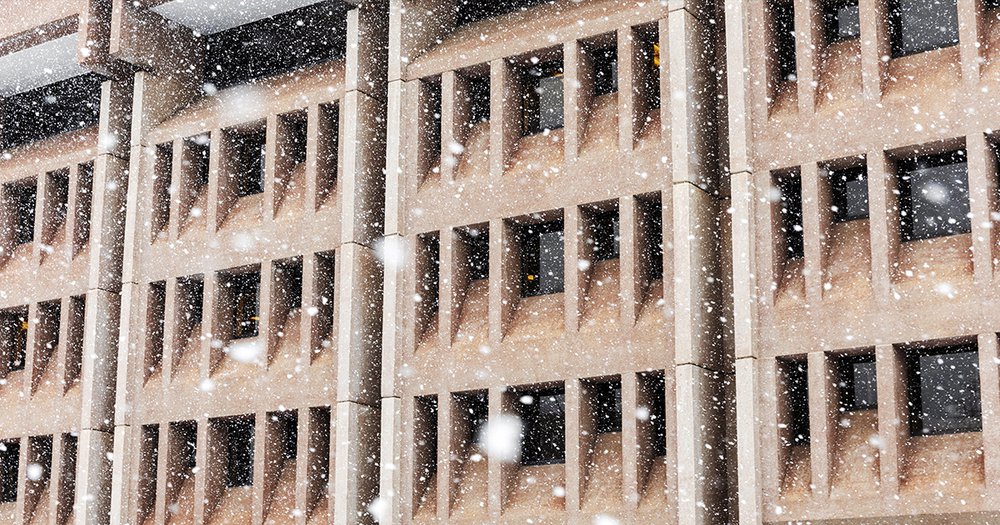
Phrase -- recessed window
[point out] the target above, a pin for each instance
(606, 405)
(943, 389)
(294, 127)
(604, 236)
(15, 335)
(84, 198)
(430, 126)
(849, 192)
(543, 98)
(651, 411)
(282, 43)
(604, 61)
(249, 150)
(790, 208)
(934, 196)
(472, 414)
(648, 63)
(794, 400)
(477, 245)
(10, 455)
(542, 269)
(783, 31)
(239, 435)
(243, 289)
(425, 437)
(479, 99)
(916, 26)
(20, 198)
(857, 382)
(49, 110)
(287, 425)
(841, 20)
(543, 426)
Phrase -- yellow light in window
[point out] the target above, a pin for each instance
(656, 55)
(24, 326)
(255, 318)
(531, 277)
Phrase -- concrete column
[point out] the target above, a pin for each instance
(359, 316)
(982, 163)
(93, 476)
(884, 213)
(989, 386)
(390, 477)
(808, 41)
(971, 31)
(748, 425)
(875, 46)
(893, 416)
(822, 422)
(576, 446)
(356, 474)
(505, 116)
(814, 228)
(577, 86)
(576, 280)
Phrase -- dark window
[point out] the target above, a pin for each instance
(542, 258)
(858, 384)
(543, 98)
(783, 20)
(790, 188)
(604, 235)
(245, 293)
(477, 242)
(469, 11)
(606, 406)
(43, 112)
(943, 389)
(294, 145)
(652, 386)
(239, 451)
(652, 228)
(795, 393)
(289, 430)
(249, 149)
(285, 42)
(10, 455)
(428, 288)
(15, 327)
(916, 26)
(479, 99)
(22, 198)
(426, 443)
(934, 196)
(475, 408)
(649, 62)
(605, 64)
(849, 188)
(199, 148)
(194, 290)
(543, 430)
(842, 20)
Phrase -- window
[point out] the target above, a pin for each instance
(84, 198)
(477, 243)
(794, 396)
(648, 78)
(427, 293)
(651, 229)
(943, 389)
(857, 382)
(470, 11)
(10, 456)
(479, 99)
(49, 110)
(543, 426)
(605, 69)
(287, 424)
(21, 197)
(916, 26)
(783, 31)
(543, 98)
(15, 334)
(162, 174)
(239, 434)
(651, 411)
(282, 43)
(606, 406)
(790, 206)
(430, 126)
(425, 437)
(849, 188)
(294, 132)
(934, 196)
(473, 412)
(244, 291)
(604, 235)
(249, 150)
(542, 258)
(841, 20)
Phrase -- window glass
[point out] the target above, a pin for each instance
(246, 298)
(10, 452)
(604, 236)
(239, 451)
(478, 245)
(606, 406)
(790, 207)
(934, 196)
(944, 391)
(922, 25)
(783, 20)
(795, 379)
(849, 188)
(842, 21)
(605, 64)
(250, 149)
(543, 98)
(858, 385)
(543, 432)
(23, 196)
(542, 258)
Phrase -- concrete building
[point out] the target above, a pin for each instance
(415, 261)
(863, 182)
(553, 202)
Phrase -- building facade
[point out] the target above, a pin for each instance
(532, 261)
